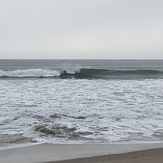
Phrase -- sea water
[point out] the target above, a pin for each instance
(81, 101)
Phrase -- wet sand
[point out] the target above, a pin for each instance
(146, 156)
(84, 153)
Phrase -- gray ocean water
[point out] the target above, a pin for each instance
(80, 101)
(72, 64)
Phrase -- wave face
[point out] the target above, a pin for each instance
(83, 73)
(112, 74)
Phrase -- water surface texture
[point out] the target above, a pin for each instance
(81, 101)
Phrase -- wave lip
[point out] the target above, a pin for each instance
(83, 73)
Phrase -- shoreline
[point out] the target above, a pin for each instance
(71, 153)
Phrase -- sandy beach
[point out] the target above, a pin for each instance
(145, 156)
(111, 153)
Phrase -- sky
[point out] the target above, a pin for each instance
(81, 29)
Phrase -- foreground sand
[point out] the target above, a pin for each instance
(146, 156)
(111, 153)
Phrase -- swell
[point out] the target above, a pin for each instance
(83, 73)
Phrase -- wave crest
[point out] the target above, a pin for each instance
(82, 74)
(29, 73)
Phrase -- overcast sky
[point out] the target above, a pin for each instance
(111, 29)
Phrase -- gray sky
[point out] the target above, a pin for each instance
(111, 29)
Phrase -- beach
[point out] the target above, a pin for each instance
(84, 153)
(145, 156)
(81, 81)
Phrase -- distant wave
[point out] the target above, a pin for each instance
(82, 74)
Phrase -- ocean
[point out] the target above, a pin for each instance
(80, 101)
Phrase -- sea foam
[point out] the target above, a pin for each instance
(61, 111)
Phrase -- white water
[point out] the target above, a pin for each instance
(30, 73)
(108, 110)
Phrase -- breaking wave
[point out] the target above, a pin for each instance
(82, 73)
(59, 131)
(29, 73)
